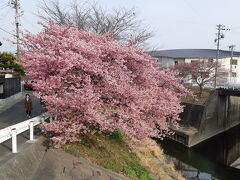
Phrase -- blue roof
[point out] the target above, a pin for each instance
(193, 53)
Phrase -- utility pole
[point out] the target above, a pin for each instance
(16, 6)
(220, 36)
(231, 48)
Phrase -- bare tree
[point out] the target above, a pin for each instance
(122, 23)
(55, 12)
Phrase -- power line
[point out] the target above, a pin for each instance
(29, 23)
(235, 27)
(3, 16)
(3, 7)
(7, 32)
(196, 12)
(4, 4)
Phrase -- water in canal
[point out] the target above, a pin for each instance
(217, 158)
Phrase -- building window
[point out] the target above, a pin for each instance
(234, 74)
(234, 62)
(176, 62)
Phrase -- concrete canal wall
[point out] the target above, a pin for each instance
(201, 122)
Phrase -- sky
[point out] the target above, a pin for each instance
(176, 24)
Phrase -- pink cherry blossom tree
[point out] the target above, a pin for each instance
(202, 73)
(184, 70)
(95, 84)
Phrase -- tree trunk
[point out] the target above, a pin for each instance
(200, 91)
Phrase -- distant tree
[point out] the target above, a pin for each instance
(184, 71)
(202, 73)
(122, 23)
(94, 83)
(8, 61)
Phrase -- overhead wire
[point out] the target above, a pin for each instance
(235, 27)
(7, 32)
(29, 22)
(196, 12)
(4, 16)
(4, 4)
(3, 7)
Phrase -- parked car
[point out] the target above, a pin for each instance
(30, 85)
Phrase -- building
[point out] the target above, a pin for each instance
(9, 86)
(177, 56)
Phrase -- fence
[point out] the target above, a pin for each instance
(12, 131)
(233, 80)
(232, 83)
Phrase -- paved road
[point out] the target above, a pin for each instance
(14, 115)
(17, 114)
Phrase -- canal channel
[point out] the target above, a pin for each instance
(217, 158)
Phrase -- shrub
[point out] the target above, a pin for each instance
(117, 135)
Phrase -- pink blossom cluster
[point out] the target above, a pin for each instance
(96, 84)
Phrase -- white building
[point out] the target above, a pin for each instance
(178, 56)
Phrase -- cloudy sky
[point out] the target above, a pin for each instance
(176, 23)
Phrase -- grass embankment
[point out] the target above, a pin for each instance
(128, 157)
(151, 156)
(110, 152)
(200, 100)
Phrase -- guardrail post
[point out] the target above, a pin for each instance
(31, 130)
(14, 140)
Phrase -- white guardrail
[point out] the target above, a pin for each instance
(12, 131)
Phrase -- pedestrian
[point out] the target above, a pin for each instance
(28, 105)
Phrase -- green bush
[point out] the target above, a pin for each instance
(8, 60)
(117, 135)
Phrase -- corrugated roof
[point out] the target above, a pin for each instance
(193, 53)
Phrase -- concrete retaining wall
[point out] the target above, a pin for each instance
(217, 115)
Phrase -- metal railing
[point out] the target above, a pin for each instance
(11, 132)
(232, 83)
(233, 80)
